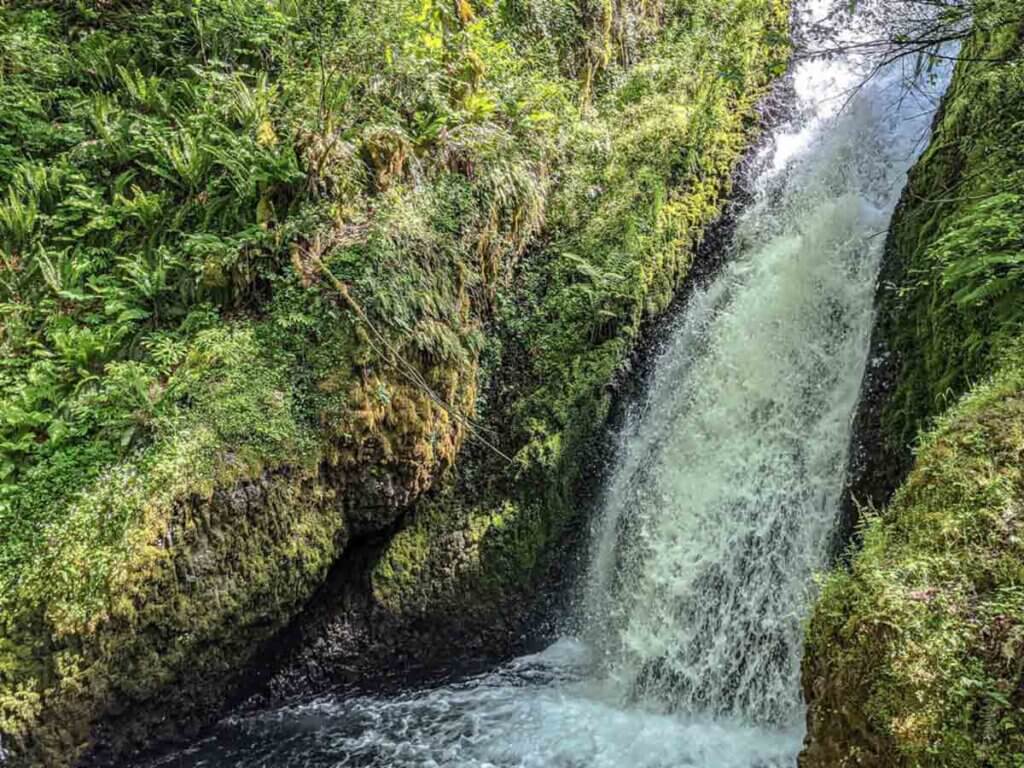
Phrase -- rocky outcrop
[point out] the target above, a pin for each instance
(224, 557)
(469, 276)
(913, 650)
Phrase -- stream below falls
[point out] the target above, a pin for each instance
(686, 645)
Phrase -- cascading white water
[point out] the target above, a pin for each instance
(722, 506)
(718, 513)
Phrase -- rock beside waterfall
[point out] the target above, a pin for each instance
(913, 654)
(309, 310)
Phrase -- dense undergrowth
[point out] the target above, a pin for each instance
(259, 259)
(649, 170)
(914, 654)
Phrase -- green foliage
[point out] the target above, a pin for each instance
(648, 172)
(134, 219)
(647, 169)
(239, 242)
(168, 167)
(957, 249)
(243, 418)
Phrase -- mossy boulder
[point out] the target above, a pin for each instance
(914, 655)
(167, 573)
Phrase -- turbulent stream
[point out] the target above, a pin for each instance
(685, 650)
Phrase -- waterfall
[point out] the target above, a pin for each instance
(720, 507)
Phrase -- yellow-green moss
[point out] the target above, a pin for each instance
(333, 252)
(952, 302)
(398, 570)
(166, 571)
(914, 656)
(456, 555)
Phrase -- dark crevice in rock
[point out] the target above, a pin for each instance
(876, 465)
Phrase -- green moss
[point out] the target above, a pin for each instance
(407, 555)
(914, 655)
(462, 558)
(161, 547)
(242, 419)
(650, 166)
(250, 253)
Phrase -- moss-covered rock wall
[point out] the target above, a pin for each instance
(268, 268)
(914, 649)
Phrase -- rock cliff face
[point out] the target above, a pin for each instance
(914, 649)
(391, 310)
